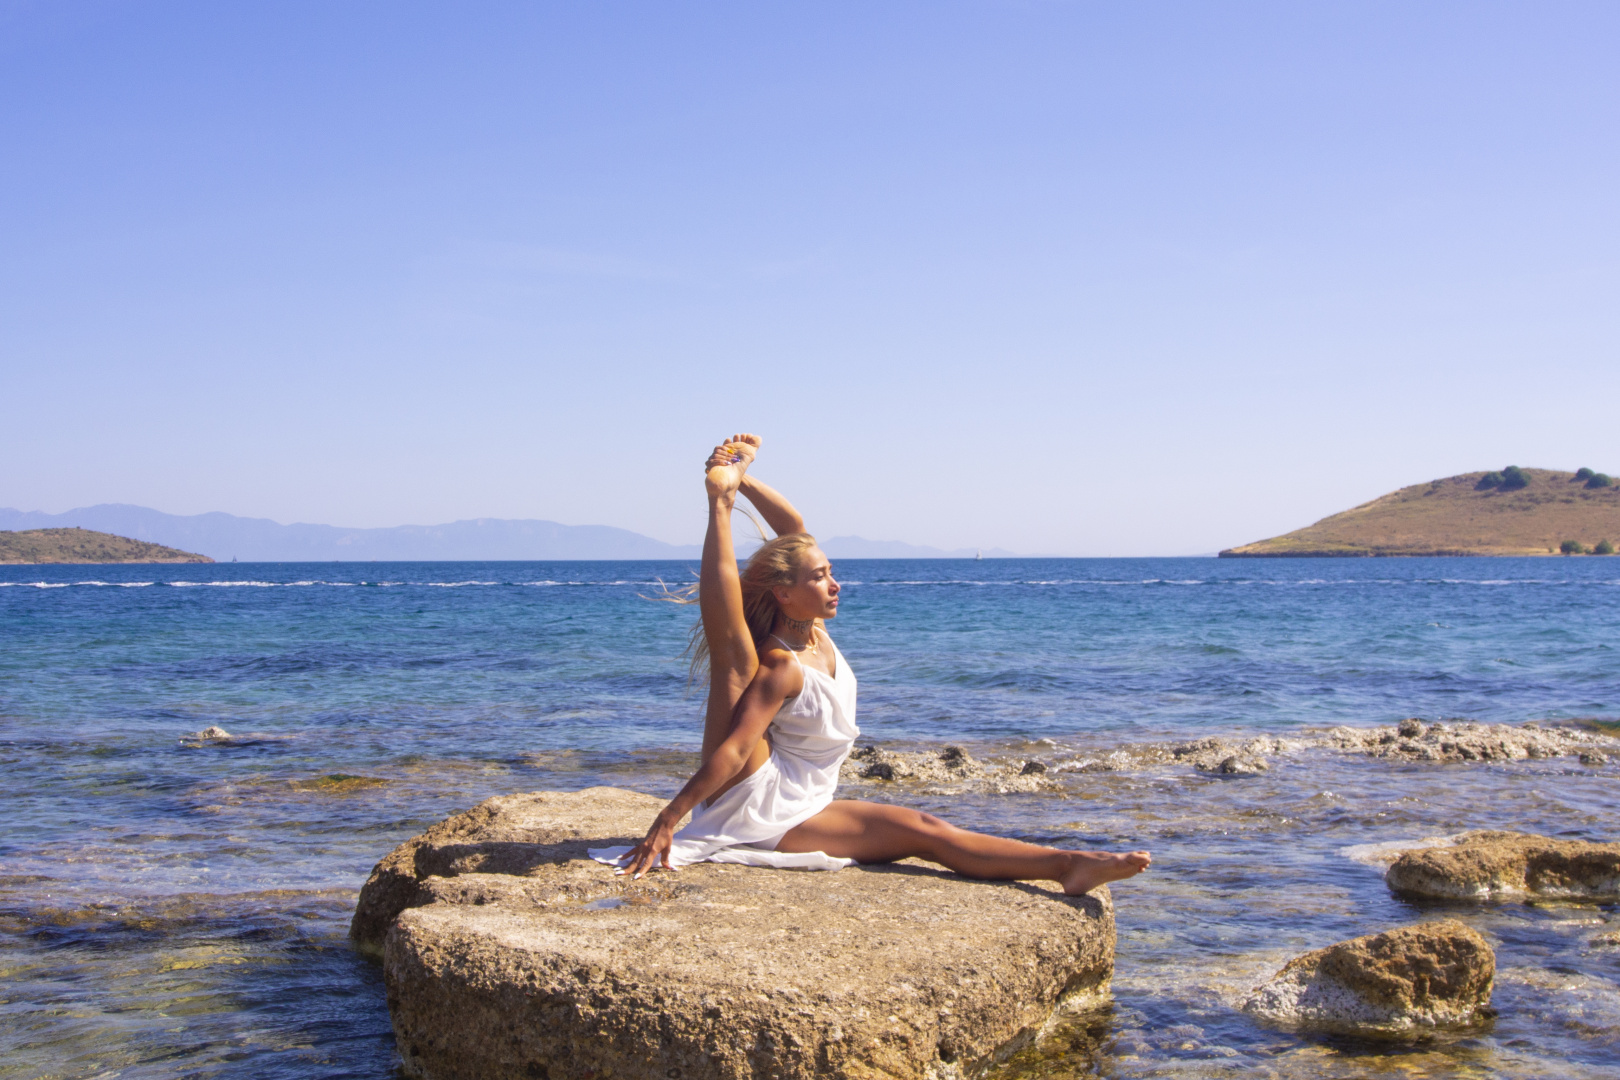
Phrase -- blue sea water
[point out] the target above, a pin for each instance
(168, 908)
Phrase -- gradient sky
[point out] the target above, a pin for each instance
(1069, 278)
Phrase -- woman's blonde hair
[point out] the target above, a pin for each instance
(776, 563)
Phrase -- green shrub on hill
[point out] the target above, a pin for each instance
(1509, 479)
(1600, 480)
(1603, 547)
(1572, 547)
(1584, 473)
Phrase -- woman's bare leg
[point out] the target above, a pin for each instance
(732, 660)
(876, 833)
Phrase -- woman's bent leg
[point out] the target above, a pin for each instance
(732, 659)
(875, 833)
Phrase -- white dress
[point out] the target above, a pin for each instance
(810, 735)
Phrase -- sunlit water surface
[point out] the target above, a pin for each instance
(168, 910)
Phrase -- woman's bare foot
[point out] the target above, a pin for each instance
(729, 461)
(1089, 869)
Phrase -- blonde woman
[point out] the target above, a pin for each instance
(781, 720)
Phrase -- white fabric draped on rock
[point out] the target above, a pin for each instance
(810, 736)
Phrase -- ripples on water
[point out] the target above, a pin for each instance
(171, 910)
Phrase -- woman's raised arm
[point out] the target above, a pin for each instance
(773, 506)
(778, 679)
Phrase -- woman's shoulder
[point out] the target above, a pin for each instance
(776, 661)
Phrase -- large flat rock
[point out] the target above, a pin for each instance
(517, 957)
(509, 834)
(1490, 865)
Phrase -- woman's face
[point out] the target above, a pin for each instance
(815, 594)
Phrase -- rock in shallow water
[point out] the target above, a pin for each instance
(511, 955)
(1490, 865)
(1398, 982)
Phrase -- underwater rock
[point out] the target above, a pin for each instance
(208, 734)
(1397, 982)
(553, 966)
(1233, 765)
(1490, 865)
(338, 783)
(1607, 940)
(1594, 757)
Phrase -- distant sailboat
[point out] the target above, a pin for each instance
(980, 556)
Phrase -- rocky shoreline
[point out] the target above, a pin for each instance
(953, 769)
(507, 952)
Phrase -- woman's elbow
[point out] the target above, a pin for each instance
(728, 760)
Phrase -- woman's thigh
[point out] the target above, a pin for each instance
(866, 832)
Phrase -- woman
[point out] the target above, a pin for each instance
(781, 720)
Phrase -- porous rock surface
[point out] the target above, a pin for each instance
(509, 954)
(1415, 740)
(511, 835)
(949, 770)
(1400, 981)
(1491, 865)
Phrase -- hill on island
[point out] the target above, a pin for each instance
(1512, 512)
(85, 546)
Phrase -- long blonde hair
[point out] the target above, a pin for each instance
(776, 563)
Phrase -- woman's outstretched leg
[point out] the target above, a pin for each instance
(875, 833)
(732, 660)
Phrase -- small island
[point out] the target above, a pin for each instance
(1512, 512)
(85, 546)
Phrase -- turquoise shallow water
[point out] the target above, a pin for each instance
(171, 910)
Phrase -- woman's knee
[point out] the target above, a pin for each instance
(925, 826)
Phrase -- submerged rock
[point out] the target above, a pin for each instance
(1233, 765)
(208, 734)
(511, 955)
(338, 783)
(1489, 865)
(1400, 981)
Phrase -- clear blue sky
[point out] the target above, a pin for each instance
(1073, 278)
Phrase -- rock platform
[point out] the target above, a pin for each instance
(1488, 865)
(508, 953)
(1397, 982)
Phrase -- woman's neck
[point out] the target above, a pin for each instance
(799, 633)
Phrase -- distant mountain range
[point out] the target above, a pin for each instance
(224, 537)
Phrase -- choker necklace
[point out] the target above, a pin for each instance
(806, 627)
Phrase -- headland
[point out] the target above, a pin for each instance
(86, 546)
(1512, 512)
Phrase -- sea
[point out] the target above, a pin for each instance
(170, 908)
